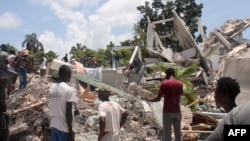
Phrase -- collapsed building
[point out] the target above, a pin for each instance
(228, 54)
(224, 51)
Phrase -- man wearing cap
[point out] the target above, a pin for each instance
(112, 116)
(24, 64)
(4, 119)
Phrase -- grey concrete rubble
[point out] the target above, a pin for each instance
(225, 51)
(30, 117)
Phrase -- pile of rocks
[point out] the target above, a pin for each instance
(30, 118)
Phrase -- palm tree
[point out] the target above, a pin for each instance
(32, 43)
(78, 51)
(51, 55)
(188, 89)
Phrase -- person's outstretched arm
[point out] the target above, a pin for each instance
(124, 118)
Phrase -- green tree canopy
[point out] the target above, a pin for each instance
(9, 48)
(50, 55)
(188, 10)
(78, 51)
(33, 43)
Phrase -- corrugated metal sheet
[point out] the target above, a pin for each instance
(96, 83)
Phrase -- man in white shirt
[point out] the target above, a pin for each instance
(43, 65)
(61, 99)
(112, 117)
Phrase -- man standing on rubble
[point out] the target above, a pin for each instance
(61, 99)
(171, 89)
(112, 116)
(43, 65)
(24, 64)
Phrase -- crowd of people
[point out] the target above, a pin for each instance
(115, 59)
(62, 97)
(111, 115)
(13, 66)
(88, 62)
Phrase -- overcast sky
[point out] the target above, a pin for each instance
(60, 24)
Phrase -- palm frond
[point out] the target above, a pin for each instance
(190, 70)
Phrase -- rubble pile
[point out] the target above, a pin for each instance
(194, 126)
(28, 110)
(227, 50)
(30, 118)
(141, 123)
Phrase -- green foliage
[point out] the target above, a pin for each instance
(32, 40)
(36, 58)
(103, 57)
(78, 51)
(183, 75)
(188, 91)
(188, 10)
(126, 43)
(11, 47)
(126, 53)
(50, 55)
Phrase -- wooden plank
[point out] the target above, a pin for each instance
(182, 33)
(165, 36)
(200, 27)
(163, 21)
(222, 39)
(28, 107)
(239, 31)
(237, 49)
(158, 40)
(197, 131)
(123, 47)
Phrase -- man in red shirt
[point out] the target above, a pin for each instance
(171, 89)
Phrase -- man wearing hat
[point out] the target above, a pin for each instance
(112, 116)
(4, 119)
(24, 64)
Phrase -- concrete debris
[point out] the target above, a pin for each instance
(28, 109)
(30, 119)
(225, 51)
